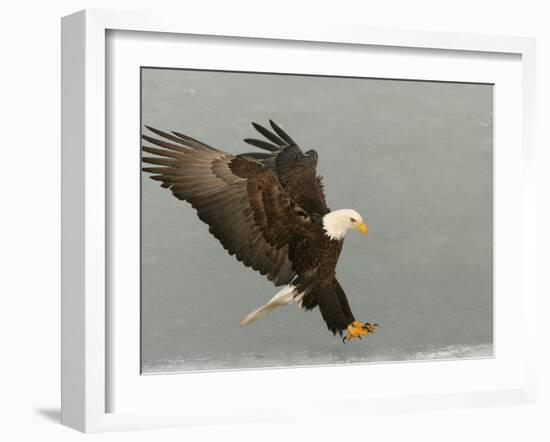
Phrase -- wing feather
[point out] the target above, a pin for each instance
(282, 134)
(262, 144)
(240, 199)
(295, 170)
(268, 134)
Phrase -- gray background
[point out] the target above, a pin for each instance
(414, 158)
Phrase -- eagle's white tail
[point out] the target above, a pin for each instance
(284, 297)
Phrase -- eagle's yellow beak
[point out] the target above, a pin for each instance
(361, 227)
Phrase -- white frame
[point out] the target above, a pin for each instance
(131, 392)
(84, 200)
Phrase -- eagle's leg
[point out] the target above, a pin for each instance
(356, 329)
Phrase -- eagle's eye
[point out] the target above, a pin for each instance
(353, 220)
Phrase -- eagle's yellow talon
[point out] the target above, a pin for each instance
(356, 329)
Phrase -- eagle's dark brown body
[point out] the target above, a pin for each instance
(266, 208)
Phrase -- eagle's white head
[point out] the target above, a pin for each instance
(337, 223)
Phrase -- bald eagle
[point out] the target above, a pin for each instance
(269, 210)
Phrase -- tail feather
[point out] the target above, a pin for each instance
(258, 313)
(287, 295)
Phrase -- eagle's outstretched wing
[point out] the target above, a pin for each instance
(295, 169)
(239, 198)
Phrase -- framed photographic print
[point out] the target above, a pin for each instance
(426, 275)
(250, 213)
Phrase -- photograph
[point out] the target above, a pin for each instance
(303, 220)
